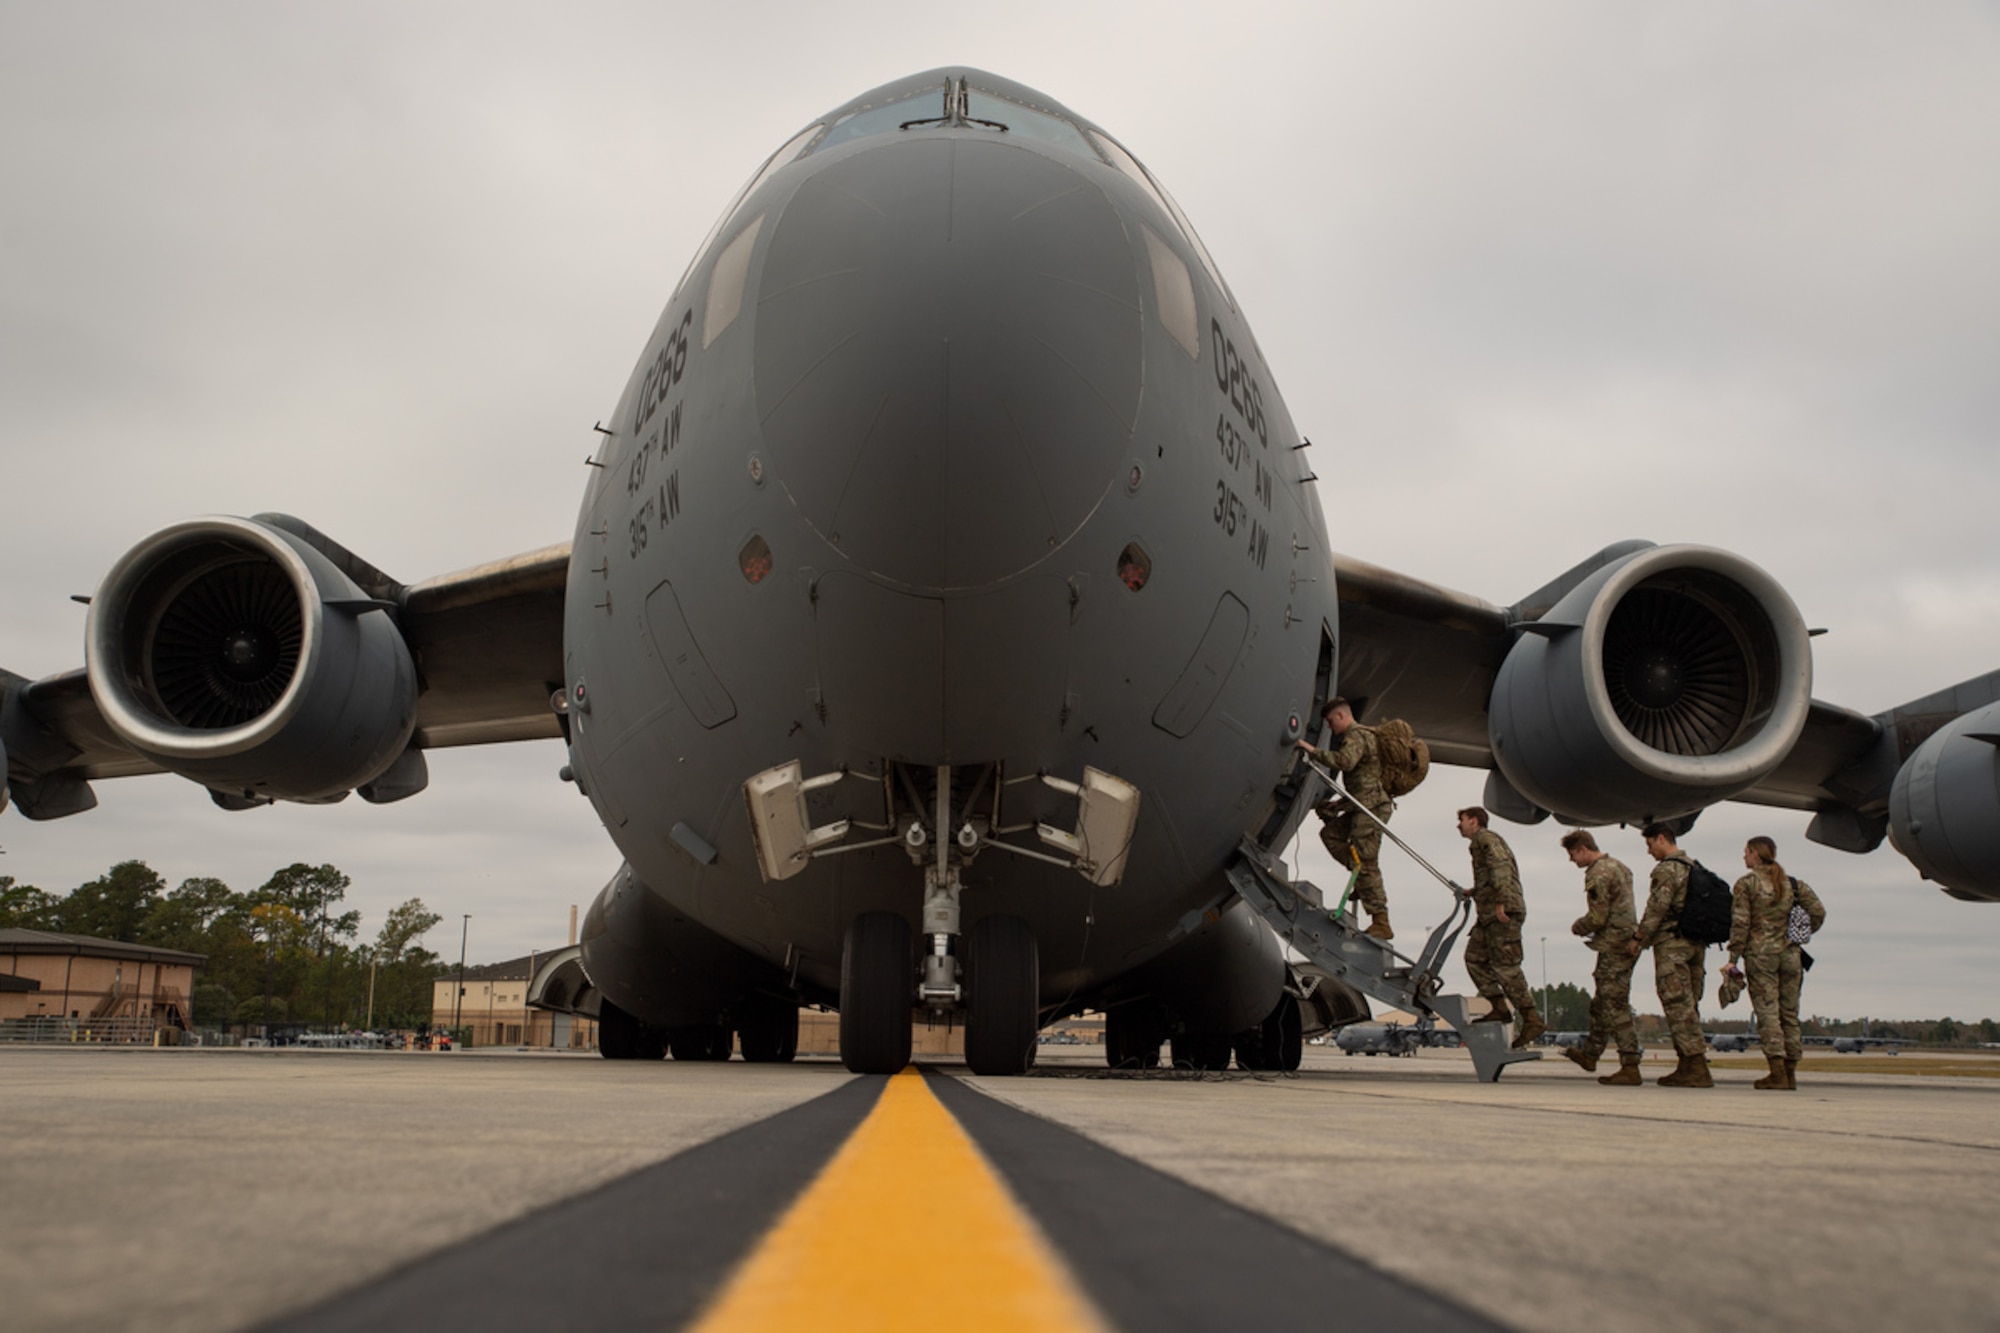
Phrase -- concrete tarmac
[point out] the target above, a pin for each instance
(220, 1189)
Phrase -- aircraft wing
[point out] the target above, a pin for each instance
(1650, 682)
(480, 652)
(488, 642)
(1423, 653)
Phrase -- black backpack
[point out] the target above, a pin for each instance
(1705, 912)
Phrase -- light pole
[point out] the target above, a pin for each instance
(464, 929)
(1547, 1009)
(326, 1006)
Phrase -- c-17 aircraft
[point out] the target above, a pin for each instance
(950, 585)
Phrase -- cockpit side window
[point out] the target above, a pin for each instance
(1115, 153)
(784, 157)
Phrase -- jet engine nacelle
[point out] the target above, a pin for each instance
(1944, 809)
(233, 653)
(1664, 682)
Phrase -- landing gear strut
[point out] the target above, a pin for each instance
(1207, 1051)
(768, 1032)
(699, 1041)
(1132, 1036)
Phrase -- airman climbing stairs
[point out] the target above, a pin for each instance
(1297, 911)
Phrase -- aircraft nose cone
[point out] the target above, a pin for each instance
(948, 356)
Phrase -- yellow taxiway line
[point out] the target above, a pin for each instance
(906, 1227)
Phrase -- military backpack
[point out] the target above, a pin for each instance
(1705, 911)
(1406, 760)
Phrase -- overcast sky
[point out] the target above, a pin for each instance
(1534, 277)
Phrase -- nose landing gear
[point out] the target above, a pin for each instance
(990, 975)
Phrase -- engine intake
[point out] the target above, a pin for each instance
(1944, 809)
(1663, 682)
(237, 655)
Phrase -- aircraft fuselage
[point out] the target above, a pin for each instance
(950, 452)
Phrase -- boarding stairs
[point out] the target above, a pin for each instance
(1329, 940)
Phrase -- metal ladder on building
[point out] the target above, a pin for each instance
(1297, 911)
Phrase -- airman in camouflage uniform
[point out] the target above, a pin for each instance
(1677, 961)
(1606, 926)
(1493, 945)
(1352, 837)
(1759, 916)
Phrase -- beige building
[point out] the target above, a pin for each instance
(112, 990)
(494, 1009)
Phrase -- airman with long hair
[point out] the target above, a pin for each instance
(1761, 935)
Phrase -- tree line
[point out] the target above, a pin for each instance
(283, 952)
(1567, 1009)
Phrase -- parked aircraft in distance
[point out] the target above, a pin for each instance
(950, 584)
(1856, 1045)
(1731, 1041)
(1378, 1039)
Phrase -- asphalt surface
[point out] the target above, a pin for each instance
(214, 1189)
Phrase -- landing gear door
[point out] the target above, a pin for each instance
(779, 824)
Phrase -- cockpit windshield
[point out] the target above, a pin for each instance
(927, 106)
(957, 105)
(987, 109)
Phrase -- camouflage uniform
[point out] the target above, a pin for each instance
(1493, 946)
(1757, 921)
(1359, 756)
(1607, 928)
(1677, 962)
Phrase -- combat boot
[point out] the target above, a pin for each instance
(1532, 1027)
(1499, 1013)
(1575, 1055)
(1791, 1074)
(1698, 1075)
(1776, 1080)
(1677, 1079)
(1378, 926)
(1627, 1075)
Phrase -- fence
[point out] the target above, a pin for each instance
(47, 1030)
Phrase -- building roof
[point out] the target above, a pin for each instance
(17, 941)
(514, 969)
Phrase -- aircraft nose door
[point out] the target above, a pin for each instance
(948, 356)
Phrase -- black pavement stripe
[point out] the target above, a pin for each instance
(643, 1251)
(1156, 1254)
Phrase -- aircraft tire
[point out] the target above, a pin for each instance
(620, 1036)
(1002, 996)
(699, 1041)
(1278, 1043)
(1250, 1050)
(769, 1032)
(1132, 1037)
(877, 993)
(1206, 1051)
